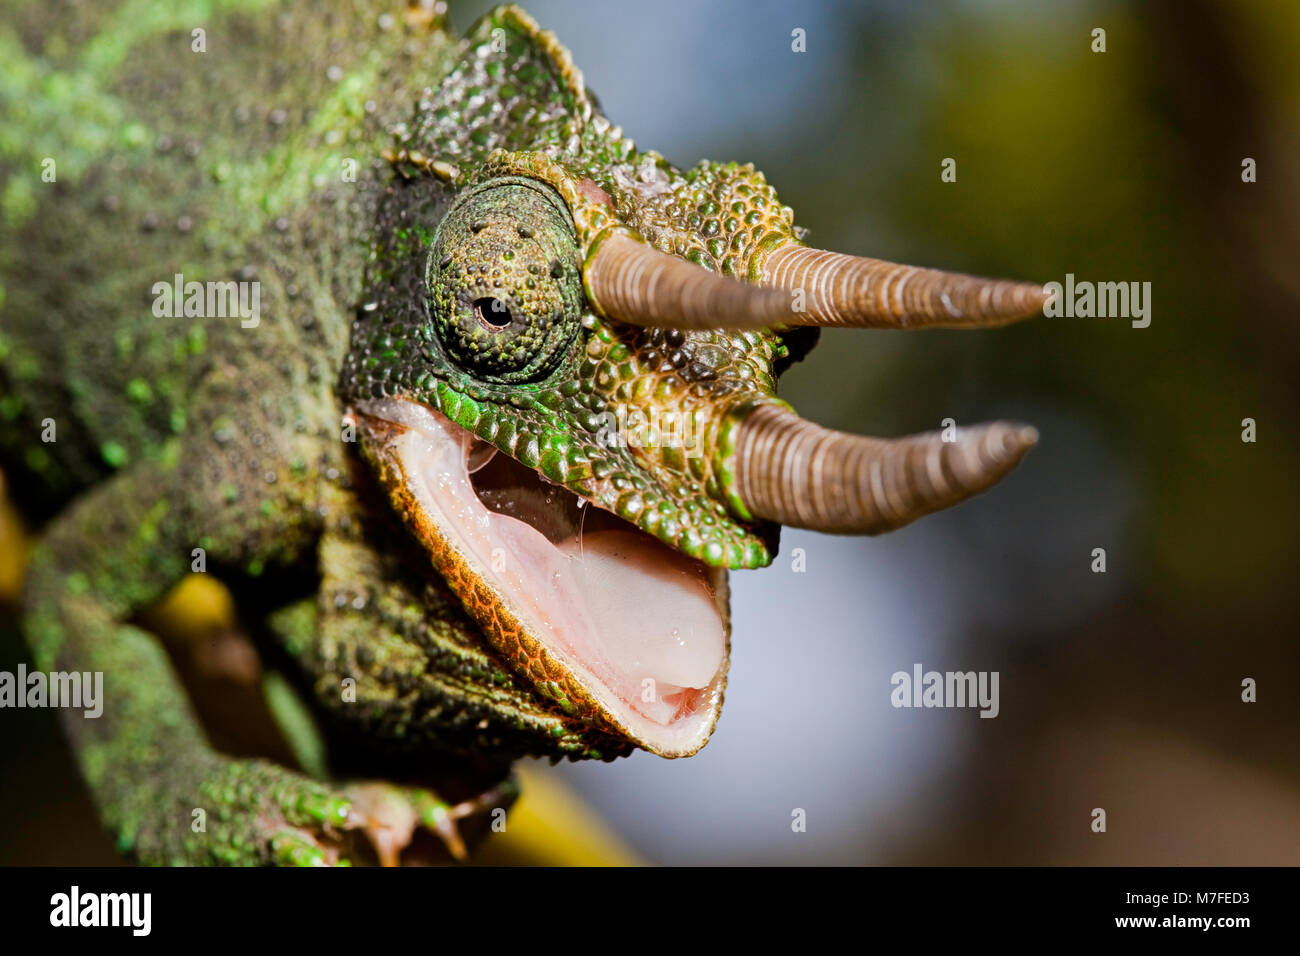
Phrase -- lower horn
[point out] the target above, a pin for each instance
(794, 472)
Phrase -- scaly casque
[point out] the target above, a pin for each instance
(477, 462)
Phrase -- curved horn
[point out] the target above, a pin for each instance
(634, 283)
(795, 472)
(871, 293)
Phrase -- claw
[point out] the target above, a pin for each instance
(436, 815)
(386, 818)
(502, 796)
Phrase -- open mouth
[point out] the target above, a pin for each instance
(635, 631)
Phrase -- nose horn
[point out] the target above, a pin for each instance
(795, 472)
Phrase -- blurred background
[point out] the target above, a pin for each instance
(1119, 690)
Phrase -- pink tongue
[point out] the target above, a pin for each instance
(650, 610)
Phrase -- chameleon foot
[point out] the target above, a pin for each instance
(250, 812)
(390, 815)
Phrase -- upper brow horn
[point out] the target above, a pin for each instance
(635, 283)
(855, 291)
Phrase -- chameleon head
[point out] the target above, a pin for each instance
(565, 375)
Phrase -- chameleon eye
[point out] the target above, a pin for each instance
(504, 280)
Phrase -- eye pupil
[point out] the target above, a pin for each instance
(493, 312)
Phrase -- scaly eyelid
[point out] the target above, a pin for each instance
(506, 246)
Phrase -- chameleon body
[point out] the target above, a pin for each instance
(425, 220)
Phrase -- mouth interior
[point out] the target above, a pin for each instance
(639, 624)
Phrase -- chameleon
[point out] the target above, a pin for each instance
(470, 401)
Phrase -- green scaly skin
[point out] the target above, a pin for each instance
(315, 148)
